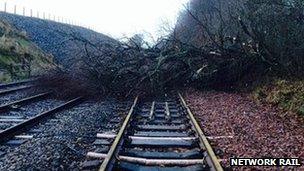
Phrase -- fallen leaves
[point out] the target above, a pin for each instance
(257, 130)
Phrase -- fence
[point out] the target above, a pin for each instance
(41, 15)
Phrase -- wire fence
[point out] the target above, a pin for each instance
(17, 10)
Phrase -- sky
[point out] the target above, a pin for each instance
(116, 18)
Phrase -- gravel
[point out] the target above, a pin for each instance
(258, 130)
(12, 97)
(7, 98)
(33, 108)
(52, 37)
(62, 142)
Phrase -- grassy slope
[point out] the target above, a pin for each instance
(19, 57)
(287, 94)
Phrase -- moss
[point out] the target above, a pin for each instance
(287, 94)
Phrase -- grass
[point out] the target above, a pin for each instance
(287, 94)
(19, 56)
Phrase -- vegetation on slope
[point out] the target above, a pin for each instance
(287, 94)
(19, 57)
(54, 37)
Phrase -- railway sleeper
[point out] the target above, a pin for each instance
(172, 110)
(144, 110)
(163, 121)
(162, 134)
(189, 154)
(167, 117)
(11, 120)
(149, 142)
(150, 162)
(162, 127)
(164, 115)
(15, 142)
(12, 117)
(106, 135)
(127, 166)
(102, 142)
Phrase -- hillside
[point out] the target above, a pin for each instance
(56, 38)
(19, 57)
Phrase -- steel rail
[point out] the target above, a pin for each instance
(213, 162)
(26, 100)
(14, 89)
(152, 110)
(16, 83)
(12, 131)
(109, 161)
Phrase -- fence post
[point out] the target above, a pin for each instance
(37, 14)
(31, 13)
(23, 11)
(5, 7)
(44, 15)
(15, 9)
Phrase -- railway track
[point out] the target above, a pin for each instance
(12, 122)
(16, 83)
(160, 134)
(156, 135)
(23, 101)
(7, 119)
(21, 124)
(15, 86)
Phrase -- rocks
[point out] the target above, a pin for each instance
(257, 130)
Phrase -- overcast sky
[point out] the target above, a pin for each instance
(113, 17)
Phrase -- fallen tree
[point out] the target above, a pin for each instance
(216, 43)
(128, 68)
